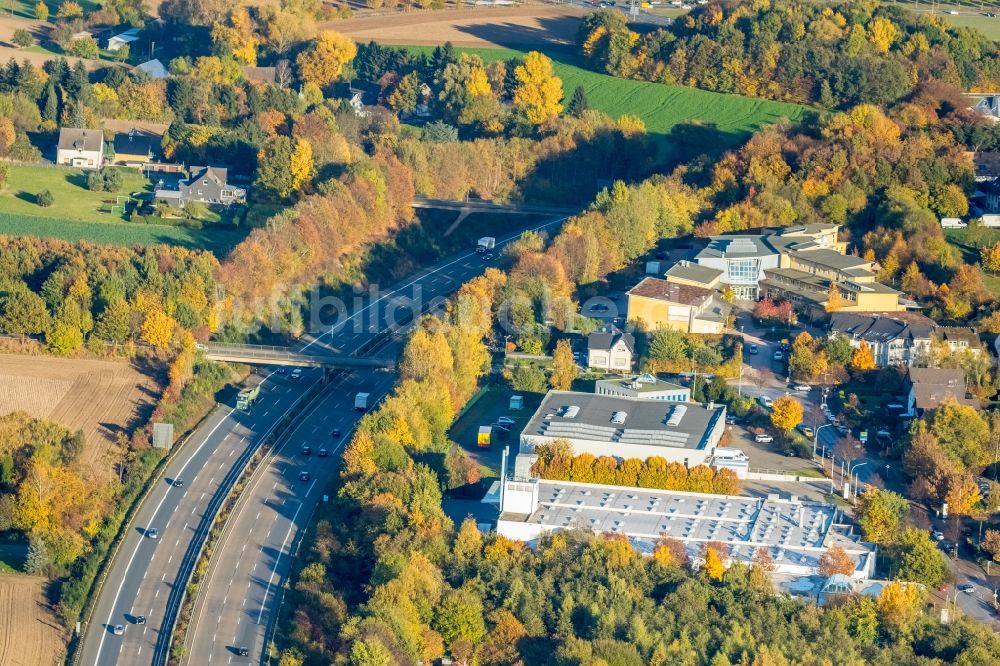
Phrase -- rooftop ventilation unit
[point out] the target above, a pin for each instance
(618, 418)
(742, 246)
(571, 412)
(677, 415)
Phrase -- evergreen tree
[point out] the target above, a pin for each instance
(50, 111)
(579, 103)
(39, 559)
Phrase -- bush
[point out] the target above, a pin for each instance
(22, 38)
(108, 180)
(44, 199)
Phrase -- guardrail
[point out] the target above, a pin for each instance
(179, 592)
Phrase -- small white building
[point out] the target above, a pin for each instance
(644, 386)
(121, 39)
(82, 148)
(610, 349)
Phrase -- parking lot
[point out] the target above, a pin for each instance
(493, 404)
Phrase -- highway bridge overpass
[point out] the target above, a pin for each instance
(268, 355)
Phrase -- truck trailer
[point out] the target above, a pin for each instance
(361, 402)
(248, 396)
(486, 244)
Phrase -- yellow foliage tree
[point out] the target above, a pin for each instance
(237, 37)
(302, 164)
(883, 33)
(786, 413)
(899, 605)
(989, 257)
(714, 567)
(41, 11)
(478, 84)
(69, 10)
(564, 369)
(158, 328)
(863, 360)
(324, 61)
(834, 300)
(538, 90)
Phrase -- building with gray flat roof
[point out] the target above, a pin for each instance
(796, 533)
(646, 387)
(605, 425)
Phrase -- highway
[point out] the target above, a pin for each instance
(239, 596)
(147, 575)
(144, 577)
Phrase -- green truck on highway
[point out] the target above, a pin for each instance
(247, 397)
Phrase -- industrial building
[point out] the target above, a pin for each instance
(796, 533)
(625, 427)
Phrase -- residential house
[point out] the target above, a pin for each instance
(118, 41)
(683, 307)
(82, 148)
(207, 185)
(136, 148)
(895, 338)
(959, 339)
(987, 104)
(929, 387)
(154, 69)
(363, 99)
(610, 349)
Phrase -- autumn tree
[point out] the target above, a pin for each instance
(881, 514)
(236, 37)
(564, 368)
(836, 561)
(862, 360)
(991, 544)
(301, 164)
(786, 413)
(961, 432)
(158, 328)
(41, 11)
(834, 301)
(899, 605)
(919, 559)
(989, 258)
(537, 90)
(714, 567)
(324, 61)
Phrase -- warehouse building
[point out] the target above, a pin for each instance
(796, 533)
(625, 427)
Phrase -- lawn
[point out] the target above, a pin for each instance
(660, 106)
(26, 8)
(79, 214)
(968, 242)
(72, 199)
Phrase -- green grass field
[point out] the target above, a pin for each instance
(73, 201)
(79, 214)
(660, 106)
(968, 242)
(26, 8)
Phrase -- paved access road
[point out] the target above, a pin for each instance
(143, 577)
(241, 592)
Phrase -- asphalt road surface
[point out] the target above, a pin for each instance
(148, 574)
(144, 575)
(241, 592)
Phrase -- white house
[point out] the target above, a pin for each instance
(82, 148)
(121, 39)
(610, 349)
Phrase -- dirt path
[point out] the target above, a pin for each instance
(30, 635)
(511, 27)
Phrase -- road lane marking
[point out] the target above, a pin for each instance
(128, 566)
(277, 561)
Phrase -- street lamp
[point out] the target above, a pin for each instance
(851, 472)
(816, 436)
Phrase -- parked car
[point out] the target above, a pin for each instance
(731, 420)
(763, 439)
(790, 453)
(506, 420)
(938, 535)
(296, 373)
(778, 355)
(244, 652)
(967, 588)
(806, 430)
(765, 402)
(802, 388)
(281, 371)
